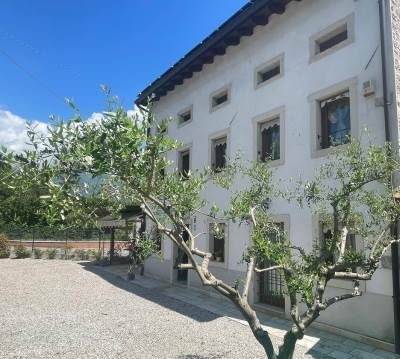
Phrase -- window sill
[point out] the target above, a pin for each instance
(267, 82)
(217, 107)
(183, 124)
(216, 264)
(269, 309)
(328, 52)
(345, 284)
(275, 163)
(317, 153)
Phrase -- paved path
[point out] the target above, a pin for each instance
(63, 309)
(318, 343)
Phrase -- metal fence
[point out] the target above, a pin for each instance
(51, 234)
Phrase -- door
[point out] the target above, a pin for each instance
(271, 282)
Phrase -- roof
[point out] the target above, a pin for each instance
(242, 23)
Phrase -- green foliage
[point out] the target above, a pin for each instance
(85, 167)
(37, 253)
(21, 252)
(51, 253)
(82, 254)
(4, 246)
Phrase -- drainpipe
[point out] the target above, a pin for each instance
(394, 247)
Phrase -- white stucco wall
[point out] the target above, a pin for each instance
(288, 34)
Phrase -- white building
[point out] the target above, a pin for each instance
(268, 82)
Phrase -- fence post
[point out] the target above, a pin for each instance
(66, 243)
(33, 238)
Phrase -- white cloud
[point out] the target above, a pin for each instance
(95, 117)
(13, 130)
(98, 116)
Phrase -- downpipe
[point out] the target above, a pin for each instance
(394, 247)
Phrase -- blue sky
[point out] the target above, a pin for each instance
(73, 46)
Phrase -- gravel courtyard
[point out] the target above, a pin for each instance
(60, 309)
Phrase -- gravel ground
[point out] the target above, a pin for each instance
(60, 309)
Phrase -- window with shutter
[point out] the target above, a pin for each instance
(335, 120)
(184, 163)
(218, 153)
(270, 140)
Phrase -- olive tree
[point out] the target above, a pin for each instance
(352, 192)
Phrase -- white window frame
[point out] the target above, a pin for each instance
(266, 66)
(220, 92)
(276, 218)
(213, 263)
(180, 152)
(338, 283)
(277, 114)
(314, 99)
(329, 32)
(216, 136)
(182, 123)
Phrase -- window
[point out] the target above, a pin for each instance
(157, 238)
(269, 144)
(185, 116)
(335, 120)
(332, 38)
(217, 233)
(269, 71)
(333, 117)
(327, 235)
(184, 163)
(218, 153)
(219, 98)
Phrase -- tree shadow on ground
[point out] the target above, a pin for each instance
(191, 356)
(181, 307)
(186, 309)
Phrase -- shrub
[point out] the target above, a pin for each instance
(4, 246)
(37, 253)
(68, 251)
(51, 253)
(98, 256)
(82, 254)
(21, 252)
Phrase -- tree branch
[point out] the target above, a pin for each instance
(257, 270)
(249, 275)
(343, 241)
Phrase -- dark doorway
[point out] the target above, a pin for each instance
(181, 257)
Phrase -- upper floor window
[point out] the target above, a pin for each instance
(332, 38)
(218, 153)
(185, 116)
(333, 117)
(220, 98)
(184, 163)
(269, 71)
(335, 120)
(269, 140)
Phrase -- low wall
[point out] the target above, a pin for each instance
(71, 244)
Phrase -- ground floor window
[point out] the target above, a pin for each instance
(217, 240)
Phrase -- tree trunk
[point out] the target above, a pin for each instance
(260, 334)
(286, 350)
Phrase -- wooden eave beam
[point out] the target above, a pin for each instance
(277, 7)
